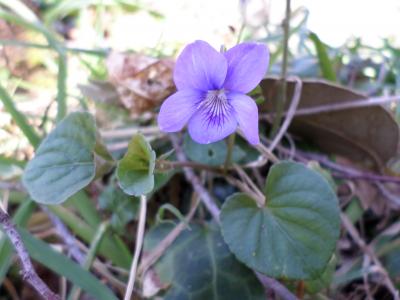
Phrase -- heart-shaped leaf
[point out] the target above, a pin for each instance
(198, 265)
(135, 170)
(294, 234)
(64, 161)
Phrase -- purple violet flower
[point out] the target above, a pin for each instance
(212, 87)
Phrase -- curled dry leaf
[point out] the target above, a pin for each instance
(142, 82)
(368, 135)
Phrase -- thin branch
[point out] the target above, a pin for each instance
(276, 286)
(128, 132)
(347, 172)
(263, 150)
(65, 235)
(195, 181)
(289, 116)
(341, 106)
(28, 271)
(138, 247)
(368, 251)
(283, 89)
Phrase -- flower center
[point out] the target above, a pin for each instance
(215, 108)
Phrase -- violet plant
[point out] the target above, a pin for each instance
(287, 228)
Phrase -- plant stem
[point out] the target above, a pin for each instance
(283, 90)
(231, 144)
(138, 247)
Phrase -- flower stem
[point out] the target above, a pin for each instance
(138, 247)
(231, 144)
(283, 90)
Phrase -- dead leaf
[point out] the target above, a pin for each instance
(142, 82)
(368, 135)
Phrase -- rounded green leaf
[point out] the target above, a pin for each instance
(198, 265)
(64, 162)
(135, 171)
(294, 234)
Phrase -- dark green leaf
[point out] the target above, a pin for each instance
(124, 208)
(294, 234)
(213, 154)
(198, 266)
(324, 280)
(64, 161)
(135, 169)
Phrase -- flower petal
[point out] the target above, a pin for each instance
(177, 109)
(206, 131)
(200, 67)
(247, 65)
(246, 113)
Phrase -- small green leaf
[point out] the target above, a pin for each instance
(64, 161)
(198, 265)
(294, 234)
(325, 64)
(135, 170)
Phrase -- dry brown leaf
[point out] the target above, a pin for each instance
(368, 135)
(142, 82)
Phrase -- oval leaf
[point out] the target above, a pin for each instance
(135, 169)
(64, 161)
(294, 234)
(198, 265)
(369, 134)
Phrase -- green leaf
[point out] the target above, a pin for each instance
(198, 265)
(64, 161)
(325, 64)
(124, 208)
(62, 265)
(294, 234)
(324, 280)
(213, 154)
(135, 169)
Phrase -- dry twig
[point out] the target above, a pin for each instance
(289, 115)
(28, 271)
